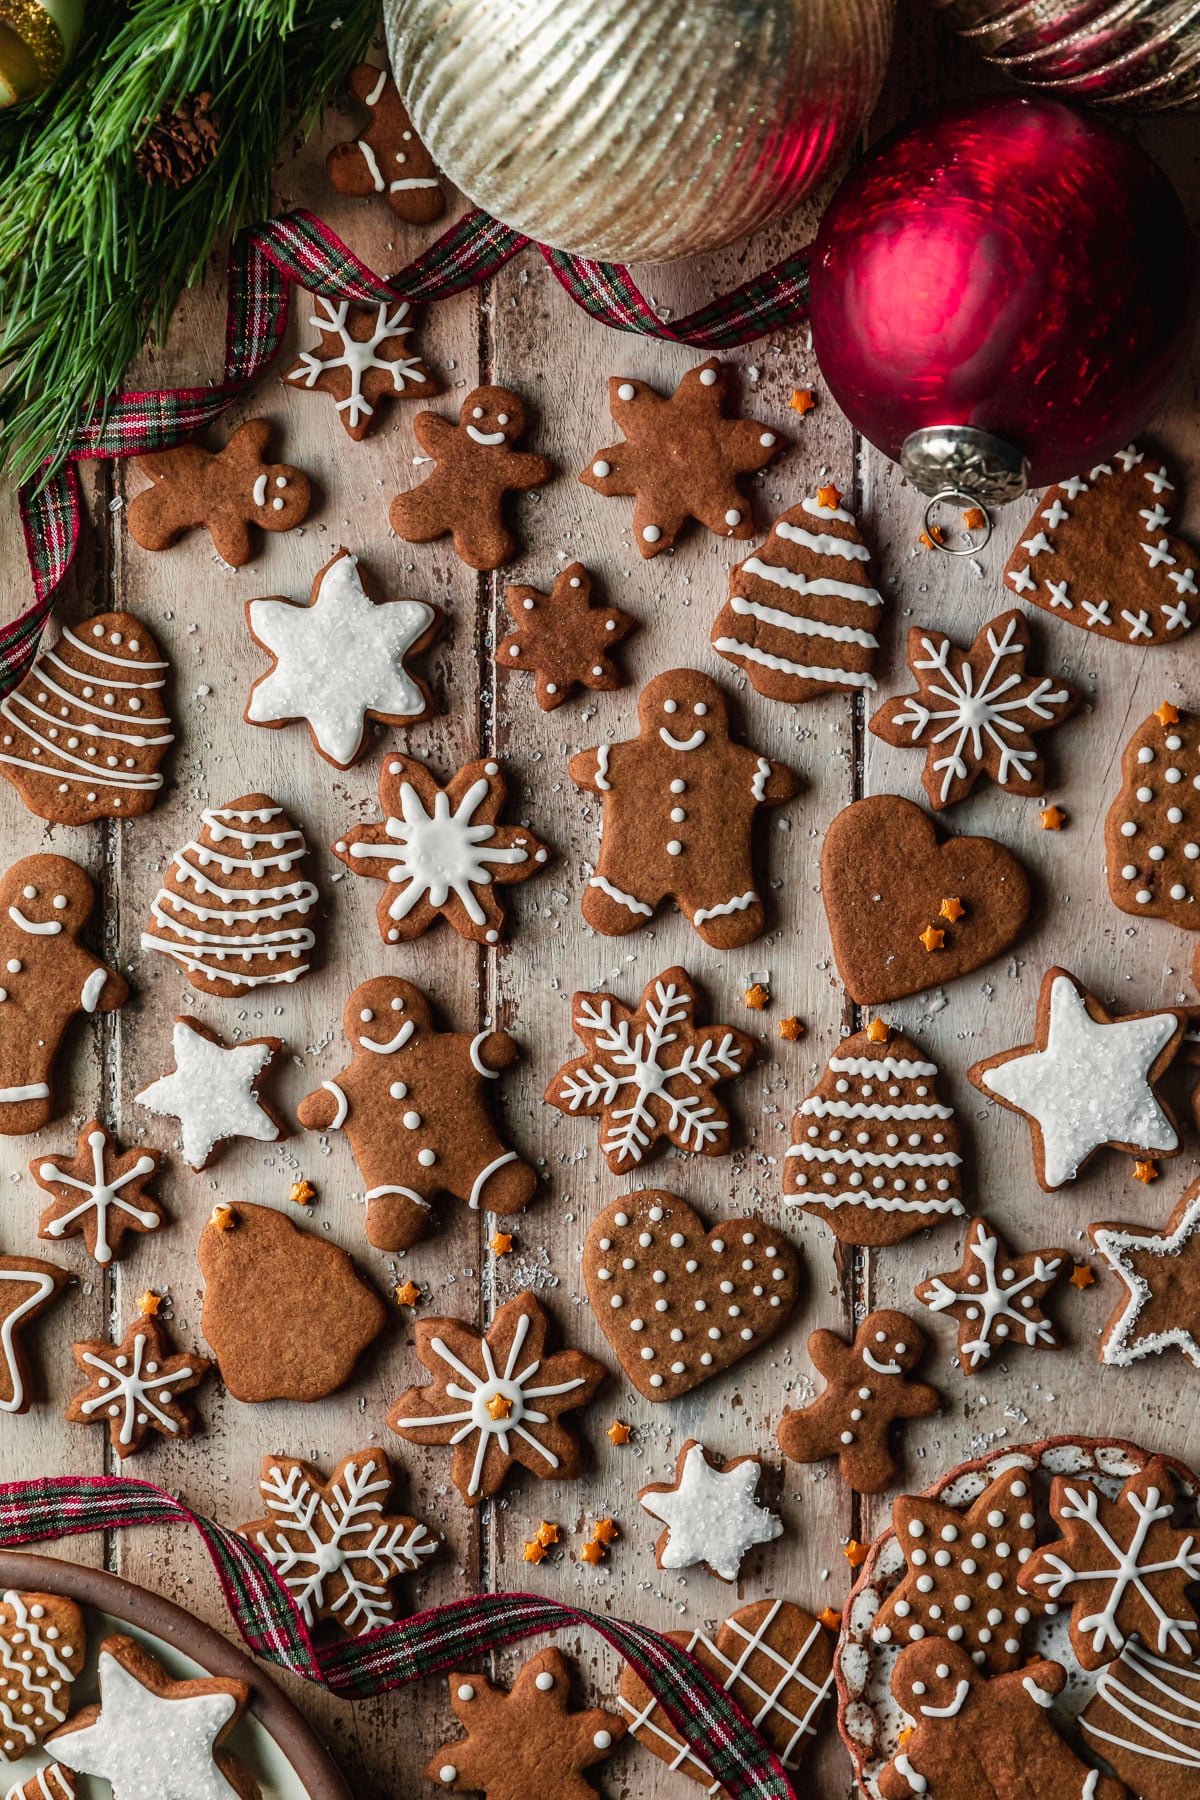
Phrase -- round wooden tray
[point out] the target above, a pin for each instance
(293, 1740)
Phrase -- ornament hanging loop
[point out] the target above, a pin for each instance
(933, 533)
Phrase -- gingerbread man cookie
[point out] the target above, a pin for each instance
(680, 802)
(413, 1105)
(388, 158)
(476, 464)
(46, 978)
(869, 1390)
(226, 491)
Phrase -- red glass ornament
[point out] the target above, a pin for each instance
(1010, 264)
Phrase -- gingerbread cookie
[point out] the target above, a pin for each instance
(908, 910)
(679, 1303)
(497, 1398)
(961, 1579)
(413, 1102)
(524, 1741)
(441, 850)
(389, 158)
(563, 639)
(976, 1735)
(1144, 1720)
(361, 359)
(869, 1389)
(234, 909)
(651, 1073)
(772, 1657)
(224, 491)
(149, 1729)
(1088, 1080)
(1160, 1271)
(802, 612)
(47, 978)
(340, 659)
(1098, 554)
(710, 1512)
(332, 1541)
(1122, 1565)
(51, 1783)
(82, 735)
(1152, 832)
(286, 1312)
(27, 1287)
(976, 712)
(134, 1387)
(213, 1091)
(99, 1194)
(681, 458)
(875, 1151)
(476, 463)
(679, 805)
(995, 1297)
(42, 1643)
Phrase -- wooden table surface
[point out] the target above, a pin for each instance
(522, 330)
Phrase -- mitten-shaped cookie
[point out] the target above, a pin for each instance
(388, 158)
(47, 977)
(475, 464)
(869, 1389)
(226, 491)
(413, 1103)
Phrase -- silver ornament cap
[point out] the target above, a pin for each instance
(962, 459)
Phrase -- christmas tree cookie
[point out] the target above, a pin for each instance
(875, 1149)
(802, 612)
(1152, 833)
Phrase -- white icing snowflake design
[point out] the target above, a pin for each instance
(712, 1515)
(998, 1302)
(356, 358)
(99, 1195)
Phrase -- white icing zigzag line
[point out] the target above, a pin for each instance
(875, 1202)
(884, 1068)
(816, 1108)
(739, 903)
(21, 1677)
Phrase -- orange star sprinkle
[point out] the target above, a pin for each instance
(905, 1734)
(302, 1193)
(830, 1618)
(792, 1029)
(953, 909)
(878, 1031)
(604, 1531)
(932, 938)
(619, 1432)
(150, 1304)
(1166, 714)
(501, 1244)
(1145, 1171)
(533, 1552)
(930, 540)
(1053, 818)
(499, 1406)
(591, 1552)
(546, 1533)
(830, 497)
(1082, 1276)
(974, 518)
(855, 1553)
(756, 997)
(803, 400)
(408, 1294)
(221, 1218)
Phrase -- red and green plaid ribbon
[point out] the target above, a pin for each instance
(266, 261)
(431, 1643)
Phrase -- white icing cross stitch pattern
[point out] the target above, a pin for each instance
(339, 659)
(711, 1514)
(1161, 1277)
(212, 1091)
(357, 357)
(150, 1746)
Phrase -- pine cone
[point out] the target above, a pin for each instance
(180, 143)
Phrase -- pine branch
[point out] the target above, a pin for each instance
(92, 258)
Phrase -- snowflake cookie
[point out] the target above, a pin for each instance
(332, 1541)
(441, 850)
(134, 1387)
(995, 1297)
(651, 1072)
(361, 357)
(497, 1398)
(99, 1194)
(1160, 1271)
(710, 1512)
(42, 1643)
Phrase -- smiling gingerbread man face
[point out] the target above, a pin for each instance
(383, 1011)
(890, 1344)
(683, 710)
(46, 897)
(492, 416)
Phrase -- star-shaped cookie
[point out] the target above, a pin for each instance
(527, 1741)
(133, 1387)
(361, 358)
(1087, 1080)
(995, 1297)
(563, 639)
(711, 1512)
(213, 1091)
(1161, 1274)
(27, 1287)
(340, 659)
(99, 1194)
(975, 712)
(681, 458)
(441, 850)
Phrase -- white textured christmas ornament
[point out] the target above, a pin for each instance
(638, 130)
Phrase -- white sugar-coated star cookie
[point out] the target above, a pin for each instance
(711, 1513)
(213, 1091)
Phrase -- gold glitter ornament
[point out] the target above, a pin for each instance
(37, 38)
(638, 130)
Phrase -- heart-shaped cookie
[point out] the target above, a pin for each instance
(776, 1661)
(42, 1642)
(679, 1303)
(1098, 554)
(908, 911)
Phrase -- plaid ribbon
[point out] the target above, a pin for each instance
(431, 1643)
(266, 261)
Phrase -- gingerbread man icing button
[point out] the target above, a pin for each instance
(476, 463)
(680, 802)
